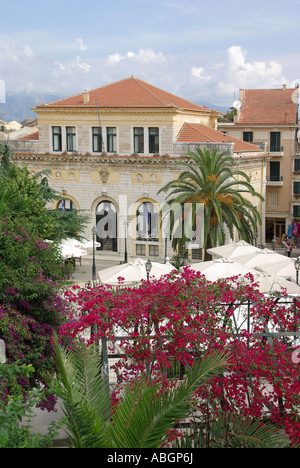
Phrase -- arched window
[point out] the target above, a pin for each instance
(66, 204)
(106, 222)
(147, 222)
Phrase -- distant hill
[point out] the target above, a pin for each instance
(221, 109)
(18, 106)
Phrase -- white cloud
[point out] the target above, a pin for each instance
(81, 44)
(142, 56)
(115, 59)
(240, 73)
(199, 73)
(213, 78)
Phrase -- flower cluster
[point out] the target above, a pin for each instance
(31, 304)
(165, 326)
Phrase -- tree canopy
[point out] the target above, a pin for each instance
(225, 192)
(25, 196)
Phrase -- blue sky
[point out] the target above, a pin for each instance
(199, 50)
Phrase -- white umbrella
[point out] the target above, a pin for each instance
(86, 244)
(224, 268)
(221, 268)
(272, 283)
(133, 272)
(284, 268)
(262, 257)
(233, 249)
(68, 251)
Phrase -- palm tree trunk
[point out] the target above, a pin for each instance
(207, 256)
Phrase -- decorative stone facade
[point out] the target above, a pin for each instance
(119, 189)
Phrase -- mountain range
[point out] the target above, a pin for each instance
(18, 106)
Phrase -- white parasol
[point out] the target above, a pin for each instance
(133, 272)
(221, 268)
(233, 249)
(69, 251)
(86, 244)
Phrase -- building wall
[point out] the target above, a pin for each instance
(168, 121)
(125, 181)
(279, 201)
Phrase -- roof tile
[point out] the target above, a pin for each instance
(268, 106)
(127, 93)
(199, 133)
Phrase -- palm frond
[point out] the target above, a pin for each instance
(82, 388)
(147, 412)
(231, 431)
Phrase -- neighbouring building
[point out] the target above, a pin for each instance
(269, 118)
(111, 149)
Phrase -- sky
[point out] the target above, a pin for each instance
(203, 51)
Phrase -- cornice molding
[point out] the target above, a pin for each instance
(96, 160)
(117, 160)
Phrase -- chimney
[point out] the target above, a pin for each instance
(86, 97)
(284, 86)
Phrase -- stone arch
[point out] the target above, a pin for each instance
(56, 203)
(106, 214)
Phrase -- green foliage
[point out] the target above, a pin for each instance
(66, 224)
(143, 417)
(24, 196)
(179, 260)
(231, 431)
(210, 179)
(30, 271)
(147, 412)
(229, 116)
(31, 304)
(16, 412)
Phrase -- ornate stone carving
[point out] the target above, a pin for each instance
(104, 174)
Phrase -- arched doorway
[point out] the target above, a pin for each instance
(106, 225)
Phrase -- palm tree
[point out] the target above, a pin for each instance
(210, 178)
(146, 411)
(143, 416)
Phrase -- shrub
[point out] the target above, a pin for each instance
(31, 304)
(182, 318)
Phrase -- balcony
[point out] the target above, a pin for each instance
(276, 150)
(274, 181)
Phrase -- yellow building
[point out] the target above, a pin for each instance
(111, 149)
(269, 118)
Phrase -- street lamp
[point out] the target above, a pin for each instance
(94, 263)
(95, 327)
(148, 266)
(125, 252)
(297, 268)
(255, 238)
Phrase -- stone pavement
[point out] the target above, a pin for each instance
(83, 271)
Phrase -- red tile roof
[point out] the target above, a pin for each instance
(268, 106)
(127, 93)
(31, 136)
(198, 133)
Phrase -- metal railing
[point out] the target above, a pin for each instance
(274, 178)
